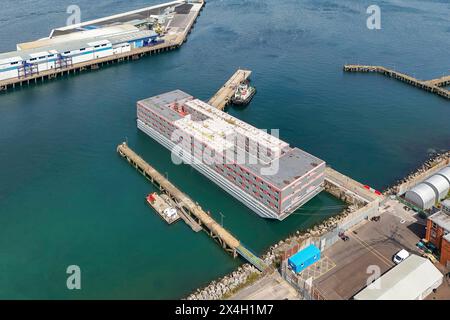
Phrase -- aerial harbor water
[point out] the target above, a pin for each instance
(67, 198)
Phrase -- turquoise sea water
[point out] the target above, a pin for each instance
(67, 198)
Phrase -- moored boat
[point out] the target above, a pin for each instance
(244, 94)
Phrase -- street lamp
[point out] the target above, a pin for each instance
(221, 218)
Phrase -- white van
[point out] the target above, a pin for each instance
(401, 256)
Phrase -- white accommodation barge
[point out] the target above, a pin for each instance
(258, 169)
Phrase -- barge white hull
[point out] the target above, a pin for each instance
(222, 182)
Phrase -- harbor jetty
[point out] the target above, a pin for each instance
(192, 210)
(435, 86)
(223, 97)
(102, 42)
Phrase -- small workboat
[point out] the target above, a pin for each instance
(244, 94)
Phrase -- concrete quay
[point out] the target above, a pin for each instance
(172, 40)
(223, 97)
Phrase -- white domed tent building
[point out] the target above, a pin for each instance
(440, 186)
(422, 196)
(445, 173)
(426, 194)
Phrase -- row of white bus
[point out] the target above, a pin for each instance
(14, 63)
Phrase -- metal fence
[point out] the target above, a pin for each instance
(306, 289)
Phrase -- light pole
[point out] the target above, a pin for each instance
(221, 218)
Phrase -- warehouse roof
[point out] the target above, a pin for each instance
(79, 44)
(100, 33)
(27, 54)
(129, 37)
(118, 18)
(406, 281)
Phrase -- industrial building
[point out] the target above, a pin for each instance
(430, 192)
(438, 232)
(413, 279)
(258, 169)
(107, 37)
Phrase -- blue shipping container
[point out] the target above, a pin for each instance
(304, 258)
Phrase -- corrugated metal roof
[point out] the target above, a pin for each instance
(27, 54)
(120, 18)
(100, 33)
(133, 36)
(423, 193)
(445, 173)
(440, 185)
(406, 281)
(9, 57)
(78, 44)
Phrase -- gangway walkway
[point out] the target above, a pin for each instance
(251, 258)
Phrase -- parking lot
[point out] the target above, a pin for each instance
(371, 246)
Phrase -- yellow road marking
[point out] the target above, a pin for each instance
(372, 250)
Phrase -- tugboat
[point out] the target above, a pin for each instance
(244, 94)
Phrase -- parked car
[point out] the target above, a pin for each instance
(343, 236)
(401, 256)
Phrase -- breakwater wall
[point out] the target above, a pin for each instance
(428, 168)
